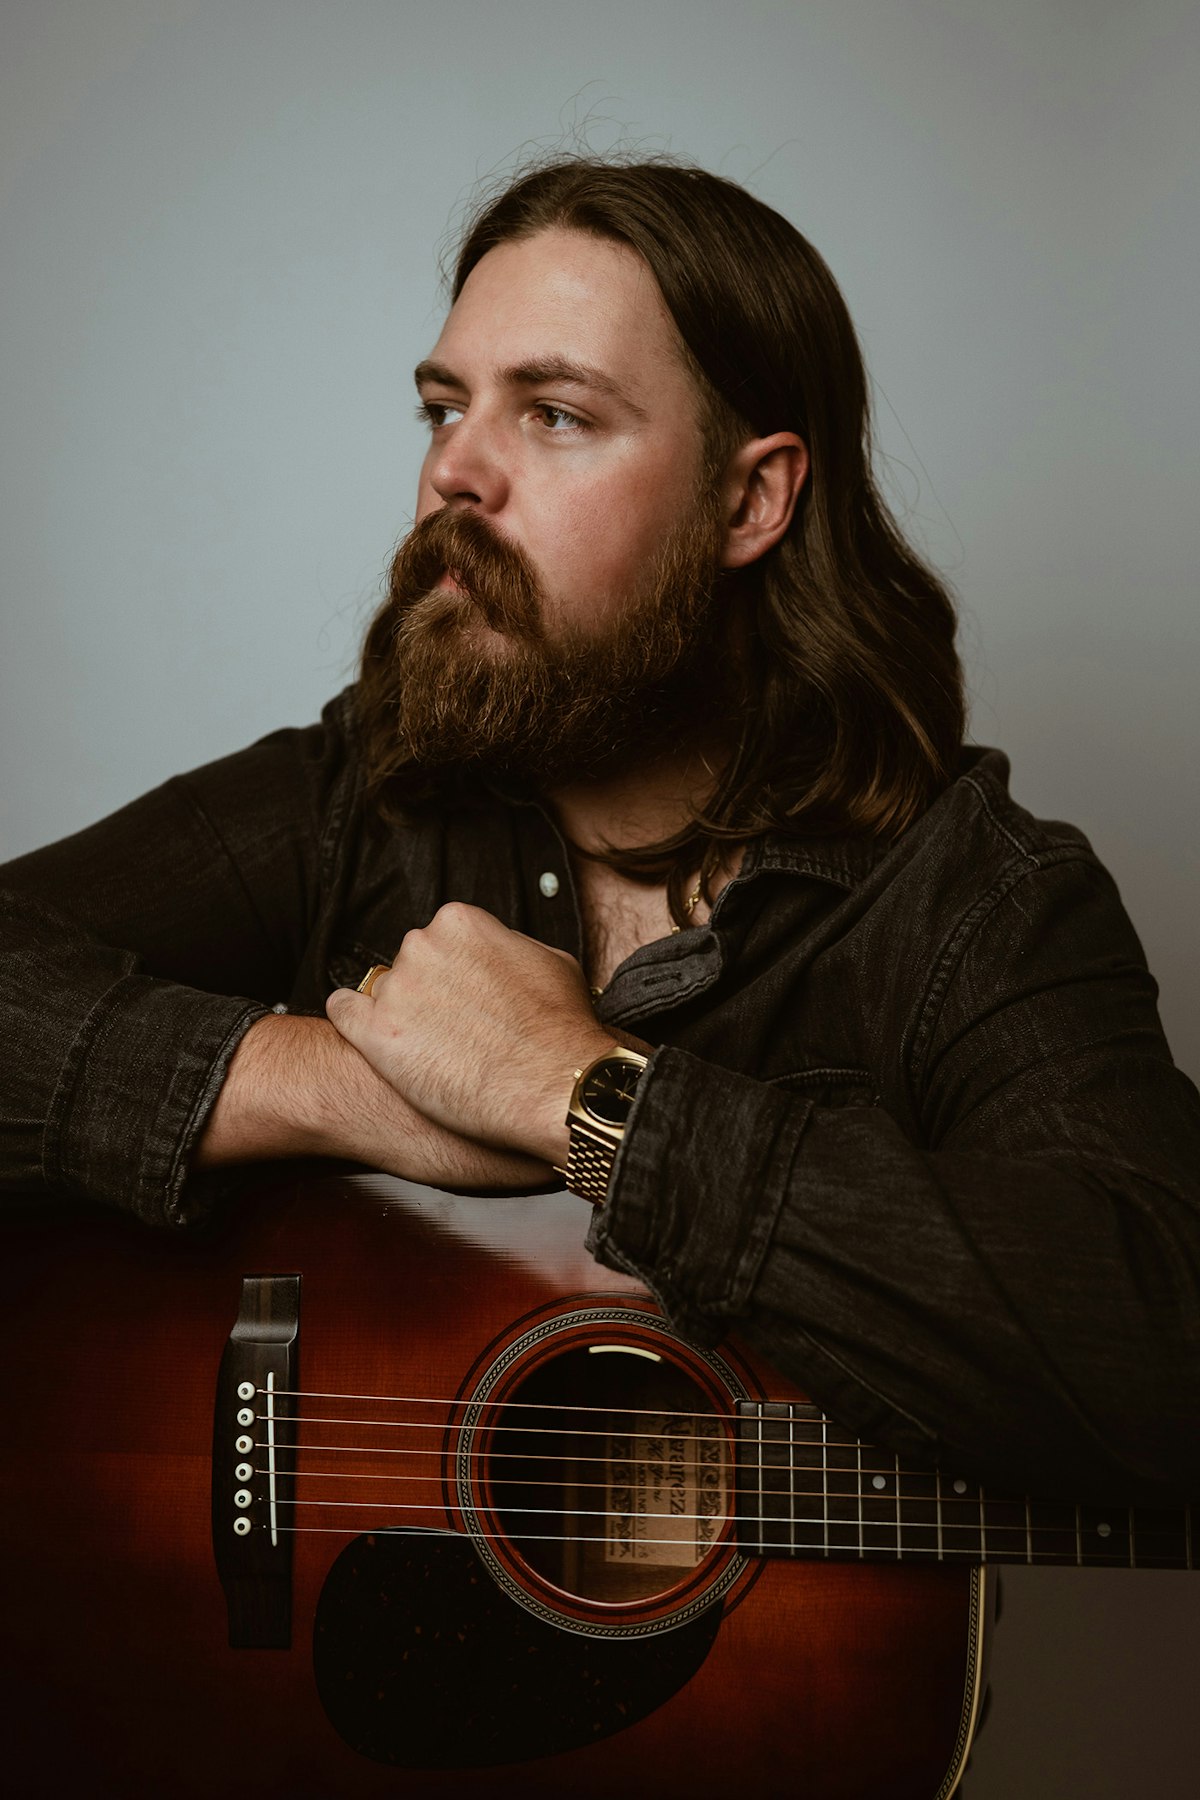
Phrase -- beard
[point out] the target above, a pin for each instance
(472, 683)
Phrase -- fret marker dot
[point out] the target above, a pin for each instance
(1104, 1530)
(960, 1487)
(877, 1481)
(548, 883)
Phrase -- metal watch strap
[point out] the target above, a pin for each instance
(590, 1160)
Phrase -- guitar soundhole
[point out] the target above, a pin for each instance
(609, 1474)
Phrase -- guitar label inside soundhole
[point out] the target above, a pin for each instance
(665, 1492)
(611, 1473)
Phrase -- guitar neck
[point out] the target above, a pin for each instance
(807, 1490)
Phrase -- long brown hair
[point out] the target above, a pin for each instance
(855, 710)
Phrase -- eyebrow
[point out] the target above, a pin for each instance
(556, 370)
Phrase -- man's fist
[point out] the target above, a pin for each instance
(480, 1028)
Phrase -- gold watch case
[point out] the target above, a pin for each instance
(601, 1101)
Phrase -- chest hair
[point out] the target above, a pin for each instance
(619, 916)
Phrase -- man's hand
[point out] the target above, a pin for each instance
(295, 1088)
(479, 1028)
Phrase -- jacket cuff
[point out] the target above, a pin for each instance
(134, 1092)
(703, 1170)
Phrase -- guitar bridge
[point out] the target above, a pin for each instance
(253, 1460)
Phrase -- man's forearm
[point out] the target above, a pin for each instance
(290, 1090)
(296, 1088)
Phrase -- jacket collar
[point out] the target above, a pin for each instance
(848, 859)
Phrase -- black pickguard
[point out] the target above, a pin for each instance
(421, 1661)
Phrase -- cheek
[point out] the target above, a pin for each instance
(594, 551)
(608, 537)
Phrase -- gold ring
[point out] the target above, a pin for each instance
(371, 977)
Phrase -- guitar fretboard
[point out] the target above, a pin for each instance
(805, 1490)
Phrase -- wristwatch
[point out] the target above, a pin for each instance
(596, 1118)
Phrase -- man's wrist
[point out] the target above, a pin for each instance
(552, 1137)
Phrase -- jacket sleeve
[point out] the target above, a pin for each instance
(1011, 1276)
(133, 957)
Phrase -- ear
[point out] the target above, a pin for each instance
(760, 489)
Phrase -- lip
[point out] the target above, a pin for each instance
(450, 583)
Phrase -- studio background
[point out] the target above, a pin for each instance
(218, 226)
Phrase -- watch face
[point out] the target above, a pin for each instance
(607, 1091)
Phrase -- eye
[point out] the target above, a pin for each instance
(436, 413)
(558, 420)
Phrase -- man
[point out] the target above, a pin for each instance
(654, 772)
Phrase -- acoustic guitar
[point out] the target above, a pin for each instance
(383, 1491)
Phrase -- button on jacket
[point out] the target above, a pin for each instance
(912, 1127)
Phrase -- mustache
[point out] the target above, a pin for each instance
(494, 575)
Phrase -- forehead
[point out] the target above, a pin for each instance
(569, 296)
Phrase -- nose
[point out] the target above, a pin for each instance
(468, 467)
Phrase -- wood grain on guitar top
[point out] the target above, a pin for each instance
(836, 1681)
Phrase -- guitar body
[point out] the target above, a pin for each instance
(443, 1635)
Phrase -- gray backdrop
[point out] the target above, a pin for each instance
(219, 220)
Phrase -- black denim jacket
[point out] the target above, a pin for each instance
(913, 1128)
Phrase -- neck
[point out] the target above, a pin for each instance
(648, 803)
(642, 804)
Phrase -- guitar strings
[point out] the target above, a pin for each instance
(910, 1482)
(525, 1481)
(720, 1518)
(745, 1463)
(533, 1405)
(848, 1540)
(793, 1436)
(947, 1511)
(755, 1433)
(804, 1550)
(813, 1414)
(793, 1493)
(823, 1502)
(785, 1445)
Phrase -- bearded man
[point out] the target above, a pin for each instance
(650, 811)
